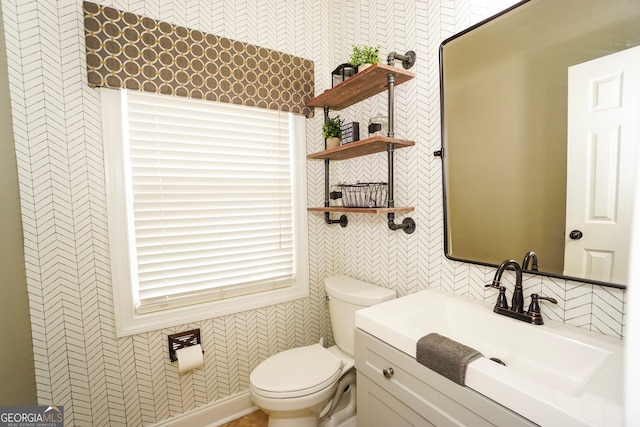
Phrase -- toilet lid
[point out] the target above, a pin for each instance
(297, 372)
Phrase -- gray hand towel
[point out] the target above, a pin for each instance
(445, 356)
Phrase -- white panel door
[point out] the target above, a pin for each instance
(603, 135)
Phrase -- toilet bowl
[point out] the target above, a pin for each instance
(293, 386)
(301, 386)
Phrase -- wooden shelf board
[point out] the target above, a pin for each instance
(376, 144)
(361, 86)
(362, 210)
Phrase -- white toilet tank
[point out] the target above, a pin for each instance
(346, 295)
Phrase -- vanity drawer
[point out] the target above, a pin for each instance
(379, 408)
(436, 399)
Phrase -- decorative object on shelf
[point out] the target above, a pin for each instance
(342, 73)
(332, 131)
(350, 132)
(378, 125)
(365, 194)
(363, 56)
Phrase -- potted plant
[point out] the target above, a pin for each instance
(364, 56)
(332, 131)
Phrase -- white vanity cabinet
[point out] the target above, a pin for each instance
(414, 395)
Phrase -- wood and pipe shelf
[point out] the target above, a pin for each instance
(364, 147)
(363, 85)
(361, 210)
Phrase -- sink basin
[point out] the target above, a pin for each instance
(553, 374)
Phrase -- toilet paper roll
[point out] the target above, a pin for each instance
(189, 358)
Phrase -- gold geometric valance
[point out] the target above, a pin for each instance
(125, 50)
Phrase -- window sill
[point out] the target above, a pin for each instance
(138, 323)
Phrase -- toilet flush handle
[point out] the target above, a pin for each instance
(387, 372)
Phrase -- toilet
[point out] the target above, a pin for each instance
(314, 386)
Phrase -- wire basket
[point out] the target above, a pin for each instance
(365, 194)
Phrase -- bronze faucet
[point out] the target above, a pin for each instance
(517, 300)
(516, 311)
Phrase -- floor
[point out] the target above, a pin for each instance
(260, 419)
(254, 419)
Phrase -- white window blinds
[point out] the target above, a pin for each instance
(212, 199)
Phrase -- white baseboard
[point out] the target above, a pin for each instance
(213, 414)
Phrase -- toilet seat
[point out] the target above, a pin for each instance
(296, 372)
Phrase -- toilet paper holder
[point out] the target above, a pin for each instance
(182, 340)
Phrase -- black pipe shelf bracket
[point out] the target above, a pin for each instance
(408, 59)
(343, 221)
(408, 225)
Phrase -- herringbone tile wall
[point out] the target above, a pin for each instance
(104, 380)
(100, 379)
(366, 248)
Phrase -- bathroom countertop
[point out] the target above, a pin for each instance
(556, 374)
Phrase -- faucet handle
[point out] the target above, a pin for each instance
(534, 307)
(502, 298)
(494, 284)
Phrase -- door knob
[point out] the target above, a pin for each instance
(575, 235)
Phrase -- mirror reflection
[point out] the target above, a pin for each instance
(518, 96)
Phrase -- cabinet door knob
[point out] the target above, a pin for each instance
(387, 372)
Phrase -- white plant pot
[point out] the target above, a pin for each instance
(363, 67)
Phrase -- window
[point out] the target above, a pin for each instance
(206, 206)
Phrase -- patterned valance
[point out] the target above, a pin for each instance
(125, 50)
